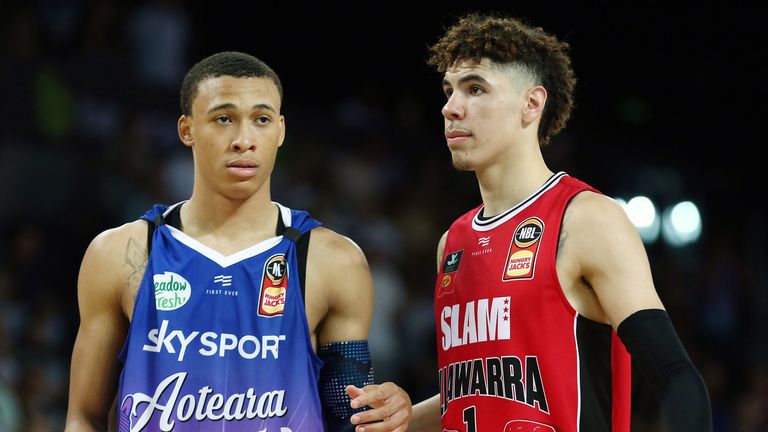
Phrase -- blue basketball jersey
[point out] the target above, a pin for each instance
(220, 343)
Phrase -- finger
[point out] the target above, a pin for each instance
(373, 396)
(353, 391)
(393, 424)
(366, 416)
(371, 387)
(380, 413)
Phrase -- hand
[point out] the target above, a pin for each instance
(389, 403)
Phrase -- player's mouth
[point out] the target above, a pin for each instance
(456, 136)
(242, 168)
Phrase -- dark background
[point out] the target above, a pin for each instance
(669, 105)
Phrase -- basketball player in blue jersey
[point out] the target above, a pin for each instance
(227, 311)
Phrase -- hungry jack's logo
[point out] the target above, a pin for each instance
(521, 259)
(274, 286)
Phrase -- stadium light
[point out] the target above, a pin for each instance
(642, 213)
(681, 224)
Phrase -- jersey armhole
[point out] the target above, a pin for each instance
(302, 250)
(301, 240)
(150, 233)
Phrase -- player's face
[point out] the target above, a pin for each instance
(234, 132)
(482, 114)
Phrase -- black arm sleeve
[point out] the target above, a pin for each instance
(344, 363)
(659, 355)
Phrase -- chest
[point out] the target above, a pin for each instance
(529, 263)
(514, 256)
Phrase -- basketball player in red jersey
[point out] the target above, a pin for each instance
(543, 291)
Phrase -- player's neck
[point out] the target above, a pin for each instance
(510, 181)
(226, 223)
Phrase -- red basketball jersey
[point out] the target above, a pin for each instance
(513, 355)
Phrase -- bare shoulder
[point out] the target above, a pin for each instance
(595, 204)
(114, 245)
(595, 228)
(115, 261)
(441, 249)
(591, 213)
(337, 269)
(339, 288)
(328, 247)
(441, 243)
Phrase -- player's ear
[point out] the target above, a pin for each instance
(534, 103)
(184, 127)
(282, 131)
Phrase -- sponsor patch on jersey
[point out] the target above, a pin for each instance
(446, 286)
(523, 249)
(452, 261)
(274, 286)
(172, 291)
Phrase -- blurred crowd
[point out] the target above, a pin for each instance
(88, 142)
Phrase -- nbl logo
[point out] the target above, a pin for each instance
(521, 259)
(528, 232)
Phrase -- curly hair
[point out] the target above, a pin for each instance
(508, 41)
(227, 63)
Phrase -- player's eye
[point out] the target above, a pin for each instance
(475, 90)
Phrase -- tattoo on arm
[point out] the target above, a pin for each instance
(136, 260)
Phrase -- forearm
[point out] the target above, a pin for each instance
(344, 363)
(660, 357)
(93, 380)
(84, 418)
(426, 416)
(684, 400)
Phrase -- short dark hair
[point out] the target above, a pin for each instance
(507, 40)
(227, 63)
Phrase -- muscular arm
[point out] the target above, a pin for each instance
(106, 267)
(340, 294)
(339, 288)
(608, 255)
(611, 259)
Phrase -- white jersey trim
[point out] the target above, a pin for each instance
(578, 372)
(228, 260)
(479, 224)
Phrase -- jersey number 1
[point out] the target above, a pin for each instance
(469, 419)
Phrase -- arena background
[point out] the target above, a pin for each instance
(668, 106)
